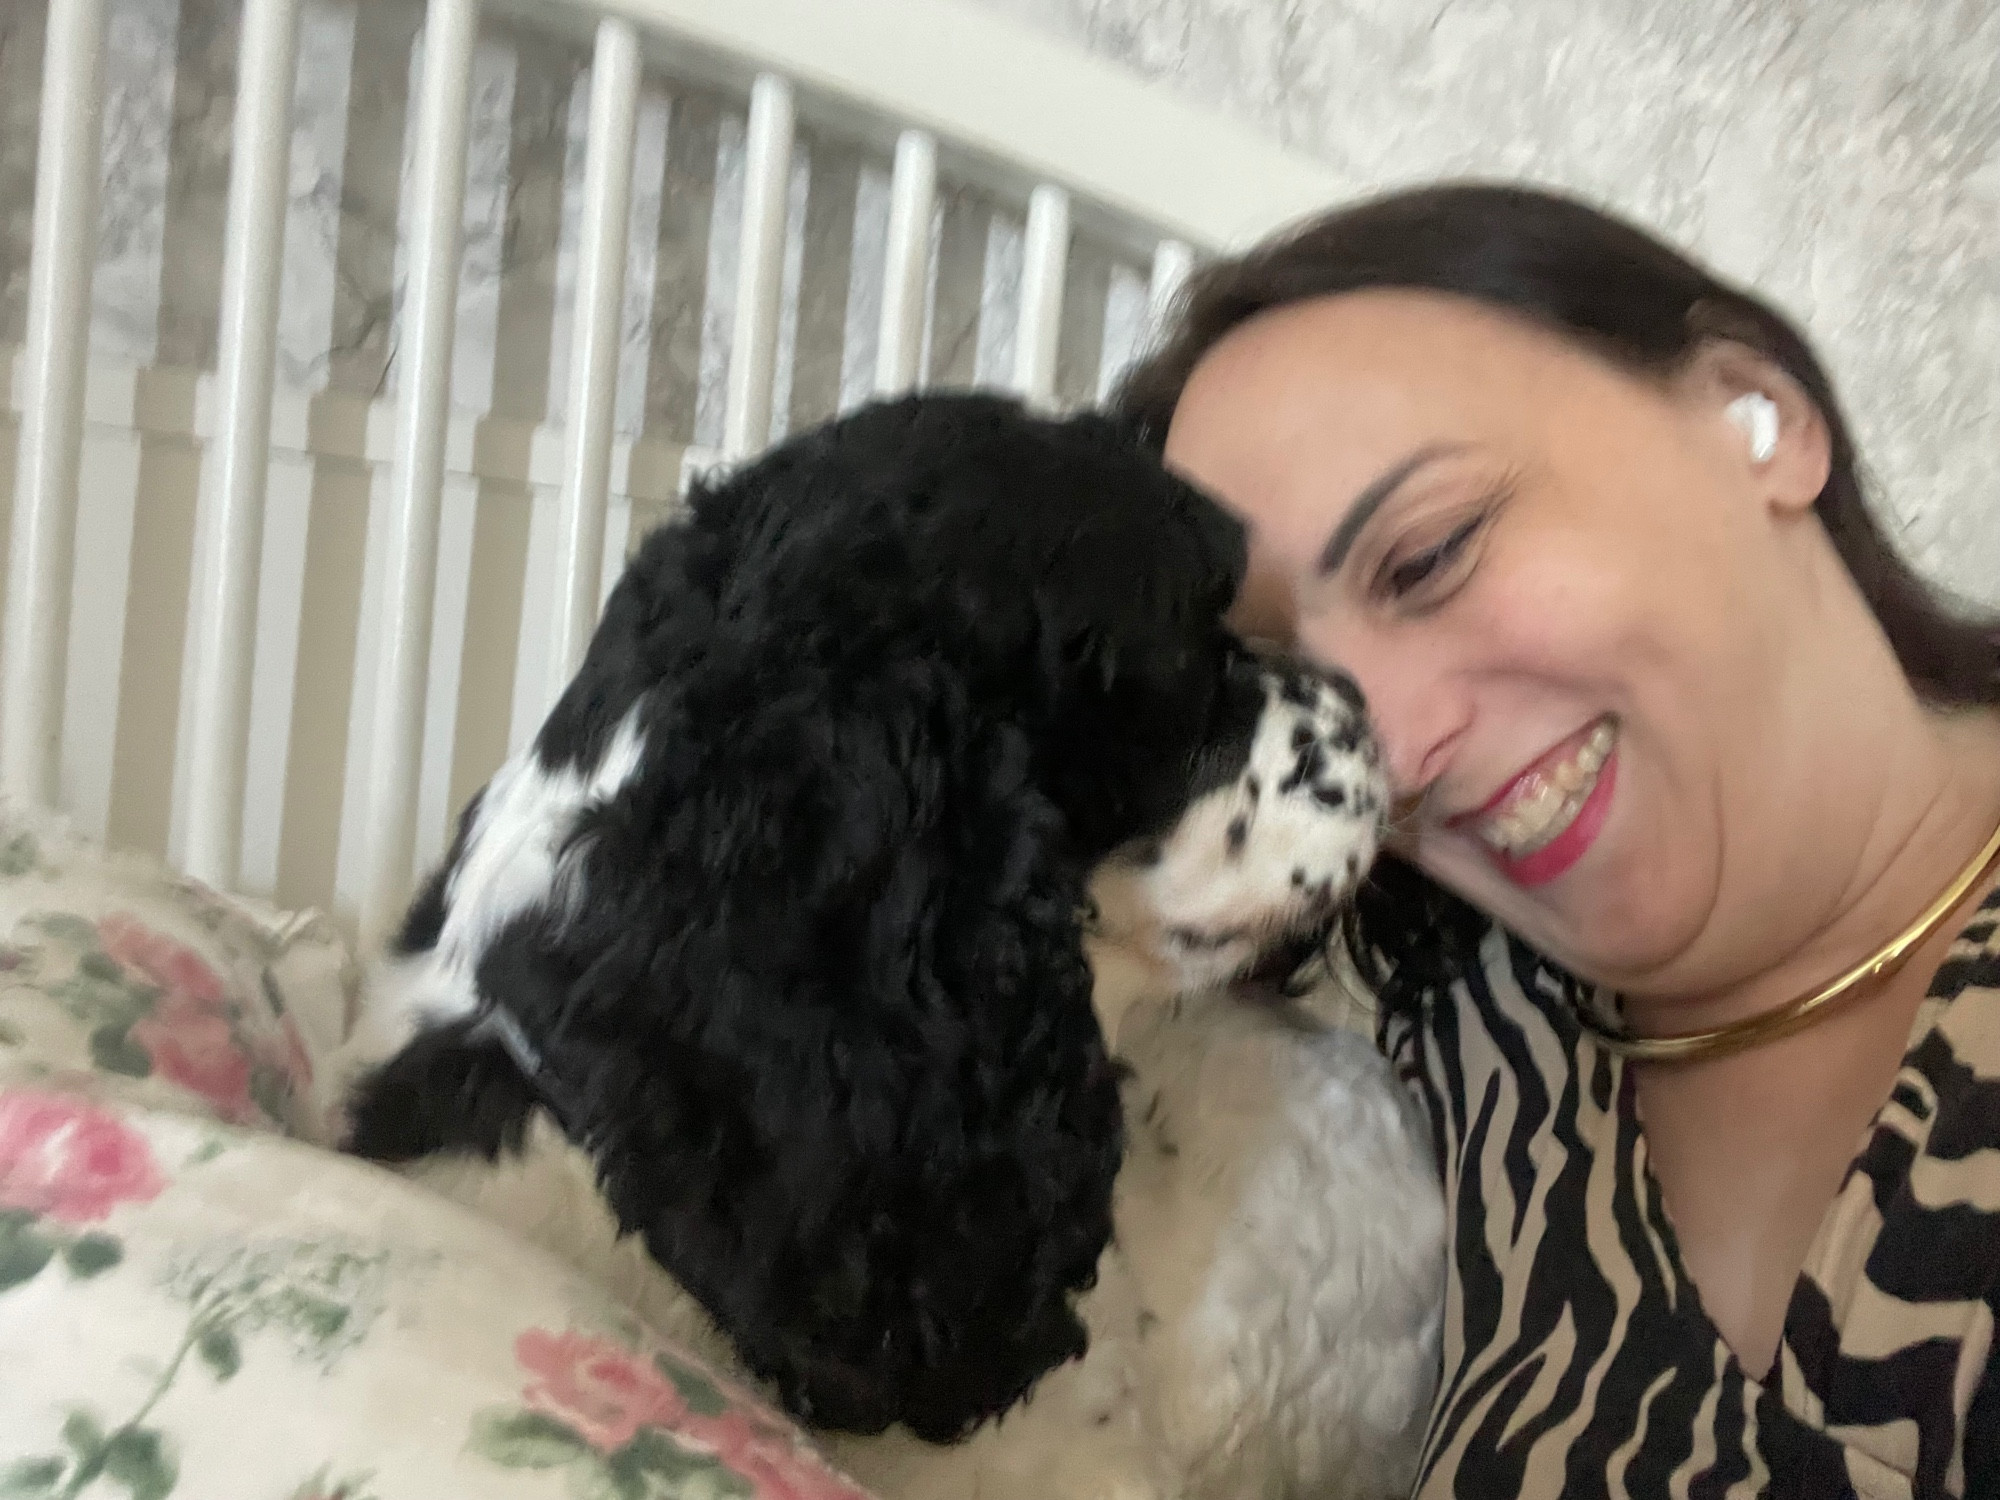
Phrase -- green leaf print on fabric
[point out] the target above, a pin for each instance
(105, 1004)
(31, 1477)
(651, 1465)
(65, 928)
(273, 996)
(655, 1467)
(113, 1050)
(92, 1255)
(19, 856)
(24, 1249)
(137, 1458)
(207, 1152)
(322, 1486)
(699, 1392)
(525, 1440)
(220, 1352)
(319, 1298)
(12, 960)
(82, 1433)
(101, 966)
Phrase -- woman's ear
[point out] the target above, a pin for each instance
(1766, 421)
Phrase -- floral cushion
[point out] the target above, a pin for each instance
(114, 969)
(197, 1301)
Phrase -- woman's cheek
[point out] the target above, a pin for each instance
(1562, 615)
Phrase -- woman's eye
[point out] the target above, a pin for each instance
(1403, 578)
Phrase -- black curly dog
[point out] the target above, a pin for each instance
(782, 916)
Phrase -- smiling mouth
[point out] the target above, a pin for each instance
(1541, 804)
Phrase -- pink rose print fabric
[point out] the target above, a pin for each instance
(182, 1262)
(600, 1409)
(70, 1161)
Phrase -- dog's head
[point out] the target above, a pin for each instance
(811, 983)
(1073, 586)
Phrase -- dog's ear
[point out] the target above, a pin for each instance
(1136, 591)
(823, 1012)
(452, 1088)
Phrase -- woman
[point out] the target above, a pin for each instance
(1681, 747)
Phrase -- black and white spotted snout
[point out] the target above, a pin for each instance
(1334, 760)
(1276, 847)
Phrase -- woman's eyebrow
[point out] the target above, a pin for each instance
(1371, 500)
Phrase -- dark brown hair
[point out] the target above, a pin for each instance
(1608, 287)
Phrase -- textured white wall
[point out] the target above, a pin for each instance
(1841, 156)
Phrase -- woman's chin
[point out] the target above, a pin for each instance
(1598, 921)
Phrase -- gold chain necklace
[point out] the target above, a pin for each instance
(1796, 1015)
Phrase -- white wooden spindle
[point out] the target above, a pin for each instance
(41, 555)
(1173, 263)
(1044, 264)
(767, 171)
(230, 530)
(906, 265)
(417, 482)
(595, 344)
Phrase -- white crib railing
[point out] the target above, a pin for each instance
(51, 438)
(964, 102)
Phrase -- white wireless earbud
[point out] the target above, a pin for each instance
(1757, 414)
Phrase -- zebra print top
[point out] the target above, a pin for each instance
(1578, 1361)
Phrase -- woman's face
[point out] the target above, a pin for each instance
(1575, 603)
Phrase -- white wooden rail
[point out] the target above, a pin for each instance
(436, 243)
(593, 387)
(950, 91)
(760, 263)
(44, 529)
(1045, 263)
(906, 269)
(223, 607)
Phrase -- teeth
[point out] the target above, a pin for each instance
(1590, 759)
(1541, 804)
(1552, 799)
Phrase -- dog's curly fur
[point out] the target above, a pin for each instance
(800, 951)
